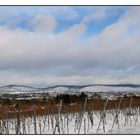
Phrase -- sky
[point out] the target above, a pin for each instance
(52, 45)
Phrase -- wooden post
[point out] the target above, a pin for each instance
(130, 110)
(82, 115)
(117, 114)
(34, 117)
(67, 123)
(6, 120)
(103, 116)
(18, 118)
(137, 115)
(57, 120)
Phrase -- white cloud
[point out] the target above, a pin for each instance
(44, 23)
(95, 16)
(69, 57)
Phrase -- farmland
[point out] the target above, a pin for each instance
(66, 114)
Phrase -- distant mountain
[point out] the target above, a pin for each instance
(71, 88)
(82, 86)
(124, 85)
(17, 89)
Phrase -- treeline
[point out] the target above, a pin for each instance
(67, 98)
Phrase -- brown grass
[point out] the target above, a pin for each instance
(50, 106)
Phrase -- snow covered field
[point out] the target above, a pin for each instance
(115, 121)
(94, 122)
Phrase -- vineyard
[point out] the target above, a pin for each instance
(59, 116)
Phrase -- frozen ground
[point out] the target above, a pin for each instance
(76, 123)
(129, 130)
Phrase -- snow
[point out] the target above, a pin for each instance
(128, 124)
(128, 130)
(108, 89)
(46, 124)
(94, 88)
(59, 89)
(110, 92)
(18, 89)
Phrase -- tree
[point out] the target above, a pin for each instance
(7, 102)
(66, 99)
(83, 96)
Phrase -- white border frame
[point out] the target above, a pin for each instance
(69, 2)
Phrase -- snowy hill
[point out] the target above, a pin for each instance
(17, 89)
(101, 88)
(58, 89)
(70, 89)
(95, 88)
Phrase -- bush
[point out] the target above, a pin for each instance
(64, 97)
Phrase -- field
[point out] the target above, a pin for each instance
(79, 115)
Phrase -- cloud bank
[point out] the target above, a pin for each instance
(36, 53)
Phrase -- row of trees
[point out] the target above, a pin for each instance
(67, 99)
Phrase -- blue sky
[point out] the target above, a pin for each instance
(49, 45)
(66, 16)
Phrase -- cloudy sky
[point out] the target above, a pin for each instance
(52, 45)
